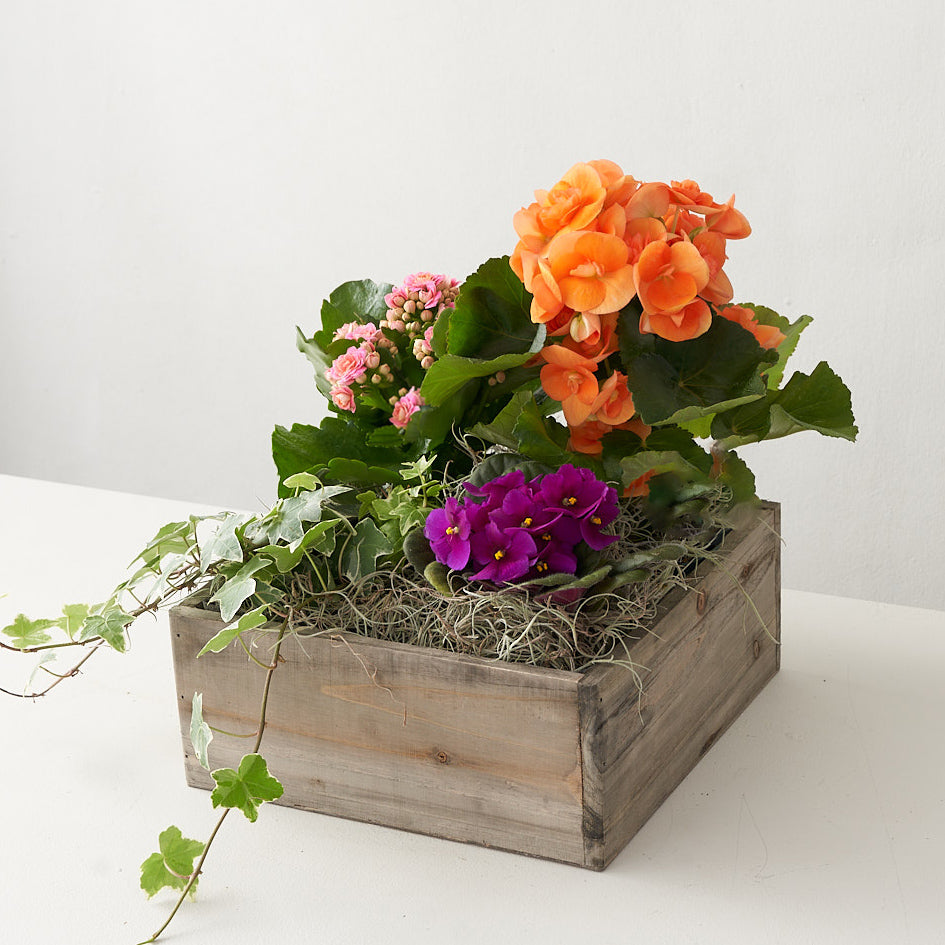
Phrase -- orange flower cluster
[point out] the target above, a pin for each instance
(600, 237)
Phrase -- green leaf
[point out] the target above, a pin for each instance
(172, 538)
(303, 448)
(363, 549)
(437, 575)
(541, 437)
(498, 464)
(680, 381)
(318, 358)
(818, 402)
(26, 633)
(790, 330)
(110, 626)
(417, 550)
(501, 429)
(667, 449)
(200, 733)
(73, 616)
(492, 314)
(303, 480)
(173, 866)
(246, 788)
(320, 537)
(222, 544)
(239, 588)
(359, 301)
(734, 472)
(223, 638)
(451, 372)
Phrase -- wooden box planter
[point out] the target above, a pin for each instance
(562, 765)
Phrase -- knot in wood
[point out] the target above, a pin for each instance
(442, 757)
(702, 598)
(756, 648)
(747, 569)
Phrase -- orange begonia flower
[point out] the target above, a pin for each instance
(586, 437)
(569, 378)
(573, 203)
(668, 276)
(639, 486)
(591, 271)
(597, 347)
(711, 246)
(727, 221)
(614, 403)
(768, 336)
(620, 186)
(687, 323)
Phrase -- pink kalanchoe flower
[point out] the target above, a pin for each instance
(428, 336)
(353, 331)
(343, 398)
(406, 407)
(348, 367)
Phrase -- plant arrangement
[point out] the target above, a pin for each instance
(547, 446)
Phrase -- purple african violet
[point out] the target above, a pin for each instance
(447, 530)
(506, 554)
(577, 492)
(508, 528)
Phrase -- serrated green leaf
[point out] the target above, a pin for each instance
(363, 549)
(110, 626)
(200, 733)
(239, 588)
(223, 638)
(26, 633)
(173, 866)
(246, 788)
(303, 448)
(790, 330)
(820, 401)
(542, 438)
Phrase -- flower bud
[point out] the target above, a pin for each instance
(376, 379)
(410, 306)
(373, 360)
(427, 362)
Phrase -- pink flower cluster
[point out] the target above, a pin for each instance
(376, 357)
(423, 295)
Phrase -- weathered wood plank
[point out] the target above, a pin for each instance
(400, 735)
(707, 657)
(566, 766)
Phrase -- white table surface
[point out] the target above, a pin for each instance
(819, 817)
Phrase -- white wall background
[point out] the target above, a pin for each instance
(182, 183)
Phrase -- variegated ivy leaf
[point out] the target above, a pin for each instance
(302, 480)
(200, 733)
(46, 657)
(110, 626)
(239, 588)
(221, 640)
(246, 788)
(221, 544)
(73, 616)
(319, 538)
(173, 865)
(363, 549)
(25, 633)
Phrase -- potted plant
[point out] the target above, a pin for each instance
(521, 533)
